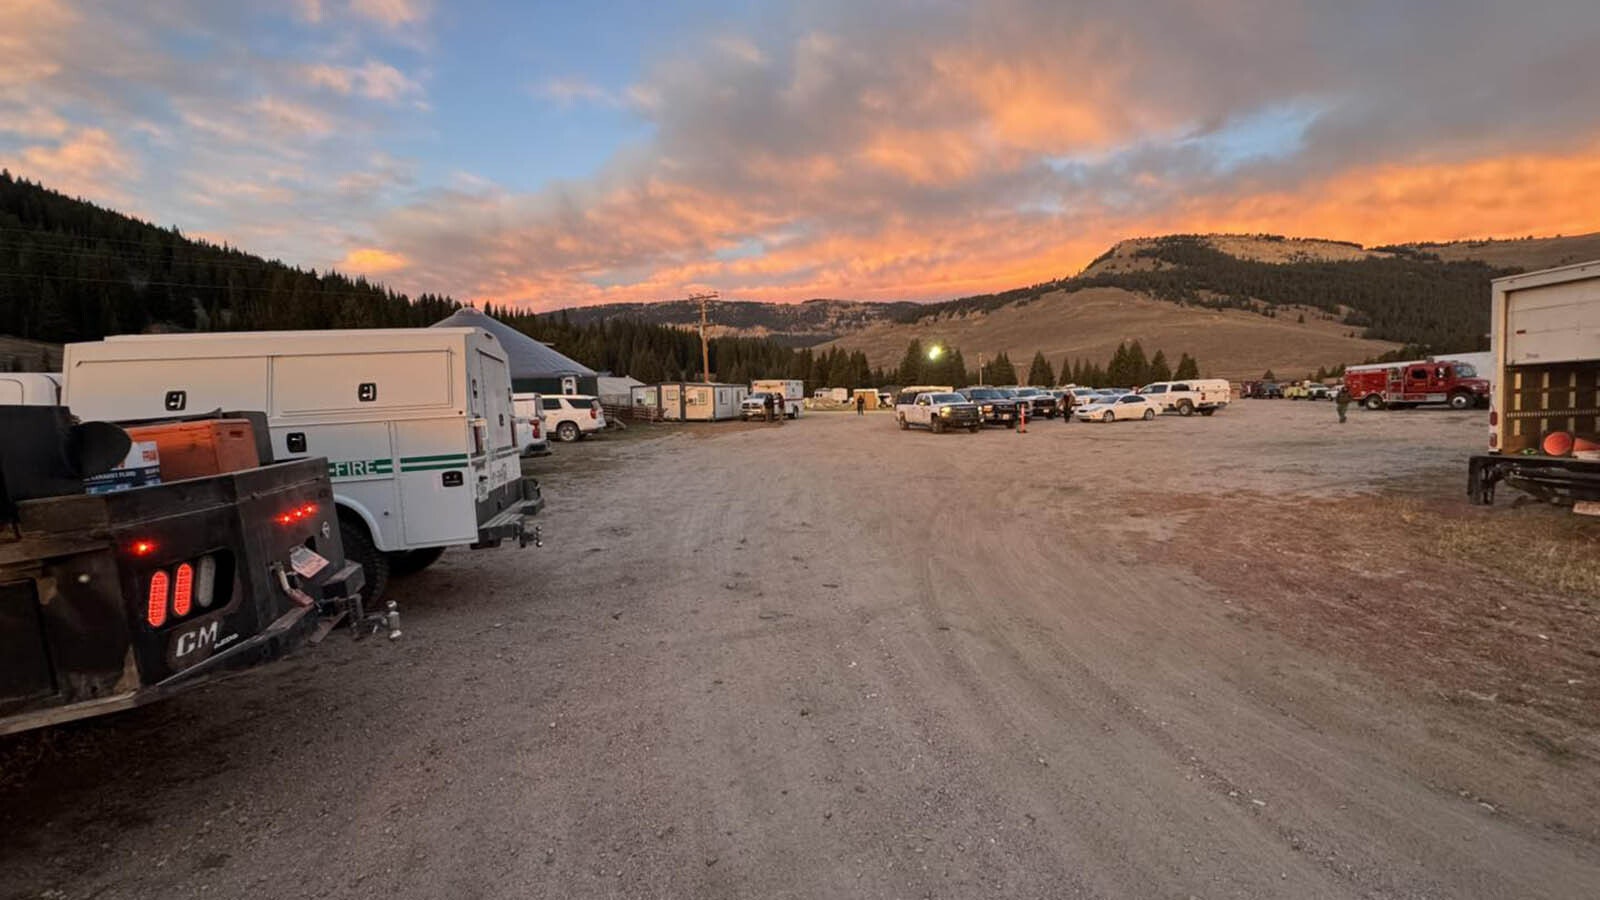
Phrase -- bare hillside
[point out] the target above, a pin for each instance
(1125, 256)
(1529, 253)
(1090, 323)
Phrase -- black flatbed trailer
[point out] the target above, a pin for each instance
(111, 601)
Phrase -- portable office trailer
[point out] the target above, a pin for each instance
(691, 401)
(30, 389)
(416, 423)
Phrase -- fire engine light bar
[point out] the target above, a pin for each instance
(157, 607)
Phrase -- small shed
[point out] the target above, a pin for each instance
(699, 401)
(536, 367)
(617, 390)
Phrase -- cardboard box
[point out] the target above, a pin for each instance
(202, 448)
(140, 468)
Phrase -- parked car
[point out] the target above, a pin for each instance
(937, 412)
(572, 417)
(1268, 390)
(996, 407)
(1111, 409)
(754, 406)
(531, 437)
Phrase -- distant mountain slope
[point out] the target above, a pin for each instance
(792, 324)
(1089, 324)
(1528, 254)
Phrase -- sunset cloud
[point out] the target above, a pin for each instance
(825, 149)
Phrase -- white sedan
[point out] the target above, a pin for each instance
(1129, 406)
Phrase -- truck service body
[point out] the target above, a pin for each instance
(1545, 337)
(109, 601)
(416, 424)
(1398, 385)
(792, 390)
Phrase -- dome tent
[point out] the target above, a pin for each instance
(535, 366)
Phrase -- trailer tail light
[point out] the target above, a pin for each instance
(1494, 418)
(205, 581)
(182, 590)
(157, 605)
(298, 514)
(142, 548)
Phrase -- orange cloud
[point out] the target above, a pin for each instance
(392, 13)
(88, 163)
(372, 261)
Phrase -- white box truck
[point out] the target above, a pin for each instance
(1544, 407)
(30, 389)
(416, 424)
(792, 389)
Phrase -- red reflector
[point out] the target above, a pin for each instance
(1494, 418)
(594, 413)
(158, 600)
(182, 590)
(143, 548)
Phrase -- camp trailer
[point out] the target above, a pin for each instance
(691, 401)
(416, 424)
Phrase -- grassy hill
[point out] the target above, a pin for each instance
(1090, 323)
(791, 324)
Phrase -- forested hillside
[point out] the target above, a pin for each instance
(71, 270)
(74, 271)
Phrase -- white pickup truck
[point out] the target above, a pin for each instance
(937, 412)
(1196, 395)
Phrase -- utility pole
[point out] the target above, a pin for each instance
(705, 345)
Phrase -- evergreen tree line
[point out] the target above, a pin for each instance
(1128, 367)
(74, 271)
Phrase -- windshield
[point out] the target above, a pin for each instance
(949, 398)
(984, 394)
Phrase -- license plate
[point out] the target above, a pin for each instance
(1587, 507)
(306, 562)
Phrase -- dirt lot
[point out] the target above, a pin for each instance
(1257, 655)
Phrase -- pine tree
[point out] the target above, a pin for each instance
(1187, 368)
(1159, 370)
(910, 371)
(1001, 371)
(1138, 366)
(1268, 376)
(1039, 372)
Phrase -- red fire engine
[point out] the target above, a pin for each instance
(1398, 385)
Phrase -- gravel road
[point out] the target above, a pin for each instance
(831, 659)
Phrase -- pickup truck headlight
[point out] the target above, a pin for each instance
(945, 411)
(987, 410)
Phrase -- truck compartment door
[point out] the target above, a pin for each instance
(1552, 323)
(438, 482)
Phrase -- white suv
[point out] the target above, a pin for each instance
(572, 416)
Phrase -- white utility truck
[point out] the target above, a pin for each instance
(1195, 395)
(1544, 407)
(792, 390)
(30, 389)
(416, 424)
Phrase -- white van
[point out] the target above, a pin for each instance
(416, 424)
(30, 389)
(1195, 395)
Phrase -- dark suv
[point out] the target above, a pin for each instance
(996, 406)
(1040, 404)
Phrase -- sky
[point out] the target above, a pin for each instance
(550, 154)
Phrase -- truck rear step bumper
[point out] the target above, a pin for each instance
(1556, 479)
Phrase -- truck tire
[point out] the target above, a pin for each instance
(936, 426)
(973, 429)
(410, 562)
(901, 417)
(1373, 402)
(1185, 408)
(568, 432)
(358, 548)
(1460, 401)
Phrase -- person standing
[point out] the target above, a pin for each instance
(1341, 402)
(1068, 400)
(861, 404)
(767, 401)
(782, 407)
